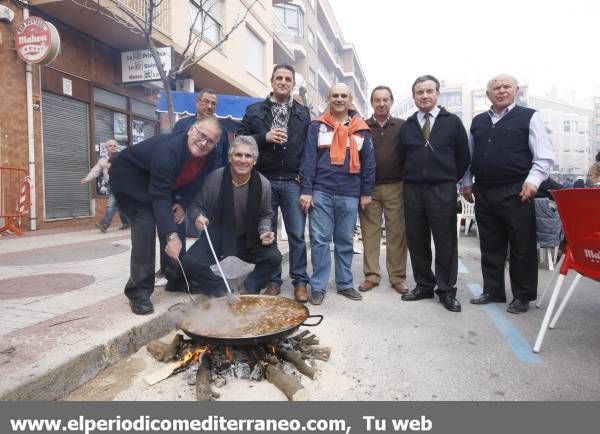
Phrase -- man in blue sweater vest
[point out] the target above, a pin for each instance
(512, 155)
(437, 155)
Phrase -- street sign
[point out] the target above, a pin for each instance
(139, 65)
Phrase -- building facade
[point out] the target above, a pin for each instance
(80, 100)
(307, 35)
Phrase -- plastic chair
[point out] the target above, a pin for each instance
(579, 211)
(468, 213)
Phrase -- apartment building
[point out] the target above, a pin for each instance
(307, 35)
(82, 98)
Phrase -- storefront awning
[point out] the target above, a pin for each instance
(228, 106)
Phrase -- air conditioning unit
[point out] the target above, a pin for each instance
(184, 84)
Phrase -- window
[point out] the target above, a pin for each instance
(255, 55)
(313, 4)
(310, 36)
(206, 21)
(292, 16)
(312, 77)
(566, 126)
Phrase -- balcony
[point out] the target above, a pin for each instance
(162, 17)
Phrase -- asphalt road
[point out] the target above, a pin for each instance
(387, 349)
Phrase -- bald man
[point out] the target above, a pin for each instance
(512, 155)
(338, 175)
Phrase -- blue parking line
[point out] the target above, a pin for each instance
(515, 341)
(461, 268)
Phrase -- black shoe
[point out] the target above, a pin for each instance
(141, 306)
(417, 294)
(350, 293)
(176, 286)
(316, 297)
(518, 306)
(450, 303)
(487, 297)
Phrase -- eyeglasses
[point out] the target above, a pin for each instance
(208, 102)
(204, 138)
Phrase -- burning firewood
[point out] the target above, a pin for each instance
(204, 391)
(288, 384)
(295, 358)
(164, 352)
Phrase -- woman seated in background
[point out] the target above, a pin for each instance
(593, 176)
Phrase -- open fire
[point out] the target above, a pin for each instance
(210, 367)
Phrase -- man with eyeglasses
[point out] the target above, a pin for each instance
(206, 104)
(146, 180)
(279, 125)
(437, 155)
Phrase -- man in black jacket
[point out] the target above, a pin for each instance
(146, 179)
(437, 156)
(279, 125)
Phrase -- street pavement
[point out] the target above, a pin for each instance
(64, 320)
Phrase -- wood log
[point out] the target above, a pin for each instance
(322, 353)
(204, 391)
(295, 358)
(300, 335)
(290, 386)
(311, 340)
(164, 352)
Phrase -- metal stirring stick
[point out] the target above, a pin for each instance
(231, 298)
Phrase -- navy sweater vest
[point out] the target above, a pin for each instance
(501, 152)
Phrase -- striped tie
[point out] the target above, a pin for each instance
(427, 126)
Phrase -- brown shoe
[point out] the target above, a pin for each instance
(400, 287)
(272, 289)
(367, 285)
(300, 292)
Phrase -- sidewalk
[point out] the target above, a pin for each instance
(63, 315)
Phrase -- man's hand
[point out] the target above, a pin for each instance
(173, 248)
(468, 194)
(277, 135)
(178, 213)
(267, 238)
(201, 222)
(83, 181)
(364, 201)
(527, 192)
(306, 202)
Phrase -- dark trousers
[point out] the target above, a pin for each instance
(143, 248)
(504, 220)
(430, 209)
(199, 258)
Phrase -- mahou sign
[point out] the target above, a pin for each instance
(37, 41)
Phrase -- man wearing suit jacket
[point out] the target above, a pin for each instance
(437, 156)
(147, 180)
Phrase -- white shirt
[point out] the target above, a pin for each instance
(434, 113)
(539, 145)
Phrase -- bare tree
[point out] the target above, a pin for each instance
(144, 25)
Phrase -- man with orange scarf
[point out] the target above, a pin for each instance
(338, 175)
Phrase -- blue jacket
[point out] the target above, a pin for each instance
(148, 171)
(317, 172)
(222, 147)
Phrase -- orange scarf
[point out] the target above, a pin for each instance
(341, 135)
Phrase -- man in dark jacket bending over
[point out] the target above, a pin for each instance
(145, 179)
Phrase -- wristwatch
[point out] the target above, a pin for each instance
(172, 236)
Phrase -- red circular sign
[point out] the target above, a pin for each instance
(36, 41)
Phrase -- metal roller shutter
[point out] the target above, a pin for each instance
(66, 157)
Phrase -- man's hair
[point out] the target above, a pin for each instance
(284, 66)
(109, 141)
(426, 77)
(210, 119)
(598, 157)
(341, 84)
(244, 140)
(491, 81)
(205, 91)
(382, 88)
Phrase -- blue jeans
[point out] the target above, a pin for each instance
(286, 195)
(332, 216)
(111, 210)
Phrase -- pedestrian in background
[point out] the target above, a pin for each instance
(101, 168)
(388, 198)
